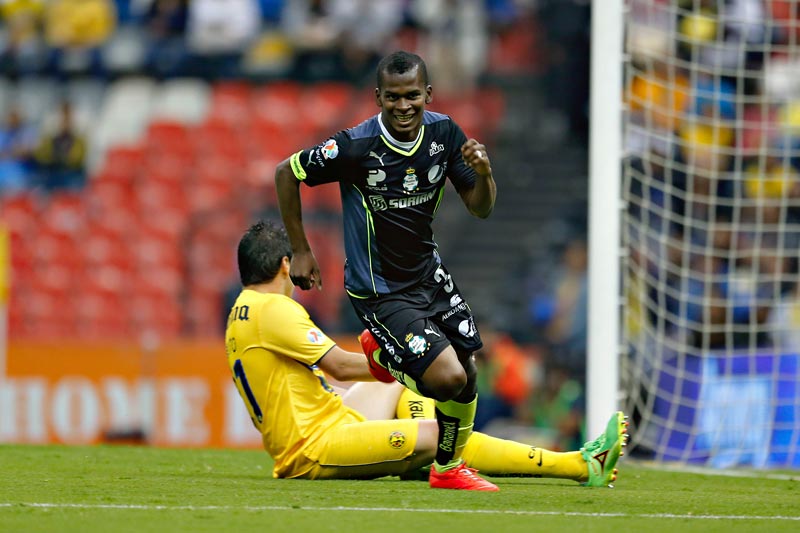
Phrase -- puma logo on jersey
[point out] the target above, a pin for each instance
(378, 157)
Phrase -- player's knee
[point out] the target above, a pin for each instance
(449, 385)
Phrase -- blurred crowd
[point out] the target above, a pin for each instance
(712, 173)
(213, 39)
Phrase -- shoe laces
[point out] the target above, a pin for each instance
(594, 445)
(464, 470)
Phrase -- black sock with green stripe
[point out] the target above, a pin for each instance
(455, 422)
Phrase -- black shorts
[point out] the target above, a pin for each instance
(416, 325)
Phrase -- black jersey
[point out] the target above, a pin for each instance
(389, 198)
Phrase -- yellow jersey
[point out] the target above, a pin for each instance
(273, 347)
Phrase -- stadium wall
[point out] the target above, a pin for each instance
(177, 394)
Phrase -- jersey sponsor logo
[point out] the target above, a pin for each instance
(457, 309)
(374, 177)
(435, 148)
(315, 336)
(378, 203)
(416, 408)
(397, 440)
(410, 182)
(448, 435)
(467, 328)
(378, 157)
(435, 173)
(400, 203)
(330, 149)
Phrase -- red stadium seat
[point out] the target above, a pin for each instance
(153, 251)
(103, 315)
(155, 313)
(65, 213)
(122, 163)
(168, 137)
(19, 212)
(218, 139)
(52, 247)
(279, 103)
(121, 220)
(160, 195)
(55, 278)
(325, 106)
(275, 141)
(205, 314)
(103, 195)
(365, 107)
(45, 315)
(101, 246)
(230, 102)
(22, 258)
(168, 166)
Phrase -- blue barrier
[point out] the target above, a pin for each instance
(729, 410)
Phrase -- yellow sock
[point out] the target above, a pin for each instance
(498, 457)
(412, 405)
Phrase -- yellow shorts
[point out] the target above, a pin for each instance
(364, 450)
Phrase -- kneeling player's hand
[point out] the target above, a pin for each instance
(371, 351)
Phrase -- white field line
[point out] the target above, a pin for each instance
(256, 508)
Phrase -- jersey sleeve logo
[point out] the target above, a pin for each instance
(315, 336)
(330, 149)
(436, 172)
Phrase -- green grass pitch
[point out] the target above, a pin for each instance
(142, 489)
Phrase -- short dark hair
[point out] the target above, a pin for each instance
(398, 63)
(261, 251)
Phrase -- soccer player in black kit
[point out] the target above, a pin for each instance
(392, 170)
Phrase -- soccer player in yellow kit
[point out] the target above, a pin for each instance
(281, 361)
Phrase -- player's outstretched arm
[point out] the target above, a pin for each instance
(342, 365)
(304, 269)
(480, 198)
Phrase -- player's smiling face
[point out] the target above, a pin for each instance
(402, 99)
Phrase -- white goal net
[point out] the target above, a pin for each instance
(710, 231)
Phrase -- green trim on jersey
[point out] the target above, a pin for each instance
(297, 168)
(403, 152)
(438, 201)
(357, 295)
(370, 233)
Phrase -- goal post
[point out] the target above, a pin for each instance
(602, 379)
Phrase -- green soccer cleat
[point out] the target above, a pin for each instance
(601, 454)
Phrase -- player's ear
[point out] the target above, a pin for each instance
(428, 94)
(378, 96)
(286, 265)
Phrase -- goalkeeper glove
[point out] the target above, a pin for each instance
(371, 351)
